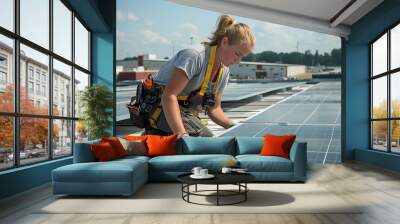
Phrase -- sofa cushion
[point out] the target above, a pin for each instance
(116, 145)
(185, 163)
(257, 163)
(134, 147)
(277, 145)
(249, 145)
(112, 171)
(206, 145)
(136, 137)
(161, 145)
(103, 152)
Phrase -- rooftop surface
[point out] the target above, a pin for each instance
(311, 111)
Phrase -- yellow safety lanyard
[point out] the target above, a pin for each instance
(207, 77)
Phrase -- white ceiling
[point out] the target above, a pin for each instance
(314, 15)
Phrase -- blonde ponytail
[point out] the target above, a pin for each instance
(237, 33)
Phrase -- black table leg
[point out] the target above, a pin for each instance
(245, 193)
(217, 194)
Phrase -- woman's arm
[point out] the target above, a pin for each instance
(169, 101)
(217, 114)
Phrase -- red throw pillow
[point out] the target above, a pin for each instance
(161, 145)
(103, 152)
(277, 145)
(116, 145)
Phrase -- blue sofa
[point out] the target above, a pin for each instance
(125, 176)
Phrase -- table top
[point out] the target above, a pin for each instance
(220, 178)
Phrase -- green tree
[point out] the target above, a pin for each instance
(268, 56)
(316, 60)
(336, 55)
(307, 60)
(97, 103)
(250, 57)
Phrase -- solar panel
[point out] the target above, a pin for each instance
(314, 115)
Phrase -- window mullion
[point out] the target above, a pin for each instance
(50, 81)
(16, 83)
(389, 93)
(73, 82)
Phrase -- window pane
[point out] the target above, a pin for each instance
(6, 142)
(395, 47)
(62, 138)
(62, 89)
(81, 131)
(6, 74)
(81, 45)
(7, 14)
(379, 135)
(379, 55)
(395, 95)
(33, 139)
(62, 29)
(81, 81)
(34, 97)
(395, 136)
(379, 97)
(35, 21)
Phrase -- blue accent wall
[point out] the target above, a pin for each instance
(356, 83)
(104, 55)
(99, 16)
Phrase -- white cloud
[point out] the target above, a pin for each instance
(154, 37)
(176, 35)
(190, 28)
(130, 16)
(148, 22)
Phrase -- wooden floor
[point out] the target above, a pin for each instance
(378, 188)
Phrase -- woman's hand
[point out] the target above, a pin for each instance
(217, 114)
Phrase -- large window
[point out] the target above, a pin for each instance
(40, 80)
(385, 92)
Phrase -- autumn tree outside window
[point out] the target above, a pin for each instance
(39, 89)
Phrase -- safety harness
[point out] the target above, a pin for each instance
(203, 89)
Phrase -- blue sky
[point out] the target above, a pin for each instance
(162, 28)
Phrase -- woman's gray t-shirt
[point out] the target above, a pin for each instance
(193, 62)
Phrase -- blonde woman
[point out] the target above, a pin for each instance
(194, 81)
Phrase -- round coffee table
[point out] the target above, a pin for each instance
(238, 179)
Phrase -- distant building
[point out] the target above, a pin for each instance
(270, 71)
(244, 70)
(34, 78)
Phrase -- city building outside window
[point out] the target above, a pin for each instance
(30, 87)
(35, 53)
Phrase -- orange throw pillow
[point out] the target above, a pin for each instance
(277, 145)
(161, 145)
(116, 145)
(103, 152)
(135, 137)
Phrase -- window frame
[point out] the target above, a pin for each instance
(388, 74)
(16, 114)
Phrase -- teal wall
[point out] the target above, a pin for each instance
(356, 83)
(99, 16)
(24, 178)
(104, 54)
